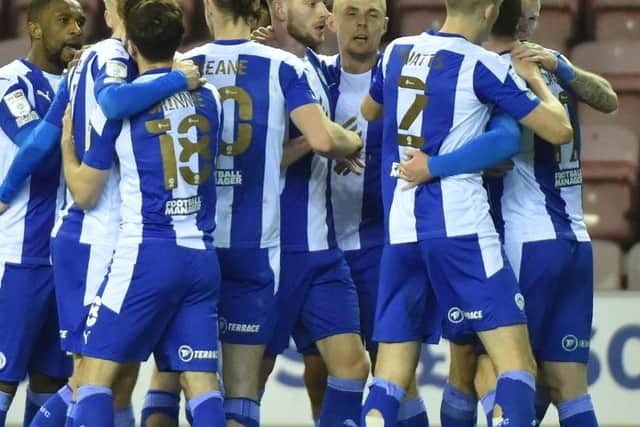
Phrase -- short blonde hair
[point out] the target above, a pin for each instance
(467, 7)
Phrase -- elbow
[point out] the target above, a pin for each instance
(612, 103)
(85, 201)
(562, 134)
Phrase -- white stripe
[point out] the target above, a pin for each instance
(513, 249)
(120, 276)
(99, 260)
(491, 251)
(274, 263)
(131, 208)
(2, 267)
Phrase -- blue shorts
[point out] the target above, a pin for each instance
(247, 294)
(469, 277)
(365, 271)
(316, 299)
(158, 298)
(556, 278)
(29, 333)
(79, 269)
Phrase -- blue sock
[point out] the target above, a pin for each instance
(94, 407)
(5, 402)
(577, 412)
(71, 414)
(54, 411)
(243, 411)
(488, 401)
(384, 397)
(207, 410)
(515, 393)
(160, 402)
(124, 418)
(412, 413)
(33, 404)
(542, 404)
(342, 402)
(458, 409)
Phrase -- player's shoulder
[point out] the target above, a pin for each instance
(11, 74)
(110, 49)
(498, 65)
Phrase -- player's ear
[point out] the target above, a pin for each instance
(490, 10)
(279, 10)
(385, 25)
(331, 23)
(35, 30)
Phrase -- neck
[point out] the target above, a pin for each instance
(358, 65)
(146, 66)
(225, 29)
(119, 32)
(463, 26)
(286, 42)
(498, 44)
(38, 57)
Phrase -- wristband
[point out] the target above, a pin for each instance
(564, 71)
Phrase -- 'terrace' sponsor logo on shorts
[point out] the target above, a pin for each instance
(456, 315)
(571, 343)
(243, 328)
(187, 354)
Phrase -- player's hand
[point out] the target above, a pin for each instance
(415, 169)
(191, 72)
(532, 52)
(528, 70)
(500, 170)
(265, 36)
(67, 130)
(3, 208)
(351, 164)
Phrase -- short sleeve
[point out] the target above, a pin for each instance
(295, 86)
(113, 70)
(16, 111)
(377, 83)
(509, 92)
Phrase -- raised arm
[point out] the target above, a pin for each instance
(590, 88)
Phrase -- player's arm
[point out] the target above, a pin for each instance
(42, 142)
(549, 119)
(84, 180)
(321, 134)
(498, 84)
(120, 99)
(590, 88)
(499, 143)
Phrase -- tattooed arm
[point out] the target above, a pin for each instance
(590, 88)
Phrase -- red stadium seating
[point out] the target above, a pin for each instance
(607, 264)
(415, 16)
(557, 23)
(632, 268)
(610, 170)
(619, 62)
(610, 153)
(616, 19)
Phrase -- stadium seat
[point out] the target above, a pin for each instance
(632, 267)
(610, 153)
(416, 16)
(557, 23)
(619, 62)
(609, 207)
(607, 258)
(616, 19)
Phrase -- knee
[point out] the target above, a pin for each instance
(196, 383)
(485, 378)
(42, 383)
(564, 383)
(266, 368)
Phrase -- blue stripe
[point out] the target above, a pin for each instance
(372, 225)
(294, 201)
(246, 222)
(545, 168)
(495, 187)
(41, 207)
(442, 82)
